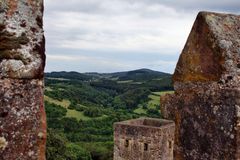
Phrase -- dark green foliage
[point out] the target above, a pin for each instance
(93, 112)
(54, 111)
(101, 150)
(133, 97)
(75, 152)
(143, 75)
(54, 115)
(70, 124)
(153, 113)
(59, 148)
(56, 145)
(118, 103)
(109, 85)
(68, 75)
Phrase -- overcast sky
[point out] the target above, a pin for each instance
(118, 35)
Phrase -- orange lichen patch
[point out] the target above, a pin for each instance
(12, 7)
(178, 155)
(177, 125)
(42, 135)
(201, 59)
(34, 5)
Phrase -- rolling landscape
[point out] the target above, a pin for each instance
(82, 107)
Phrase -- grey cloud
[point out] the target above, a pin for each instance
(101, 6)
(188, 5)
(88, 6)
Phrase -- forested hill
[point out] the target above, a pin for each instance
(135, 75)
(82, 107)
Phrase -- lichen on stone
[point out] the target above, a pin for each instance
(3, 143)
(21, 39)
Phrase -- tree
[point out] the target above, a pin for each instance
(76, 152)
(70, 124)
(56, 145)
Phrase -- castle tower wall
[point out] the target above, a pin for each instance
(144, 139)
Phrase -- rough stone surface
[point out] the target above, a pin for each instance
(22, 61)
(212, 51)
(21, 41)
(205, 105)
(144, 139)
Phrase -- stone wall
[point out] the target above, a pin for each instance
(144, 139)
(22, 61)
(206, 103)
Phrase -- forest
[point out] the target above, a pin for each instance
(82, 108)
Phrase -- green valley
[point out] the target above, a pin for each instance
(82, 107)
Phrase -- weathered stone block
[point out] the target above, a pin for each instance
(22, 61)
(22, 119)
(22, 42)
(205, 106)
(212, 50)
(206, 123)
(144, 139)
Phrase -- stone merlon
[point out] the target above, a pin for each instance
(205, 105)
(212, 51)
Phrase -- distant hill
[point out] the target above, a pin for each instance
(135, 75)
(68, 75)
(140, 75)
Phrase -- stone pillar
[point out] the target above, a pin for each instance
(206, 103)
(22, 61)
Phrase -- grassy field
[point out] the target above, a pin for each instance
(163, 93)
(122, 82)
(155, 98)
(48, 89)
(60, 79)
(64, 103)
(76, 114)
(140, 110)
(80, 116)
(70, 113)
(153, 102)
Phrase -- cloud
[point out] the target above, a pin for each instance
(60, 58)
(126, 27)
(117, 6)
(138, 27)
